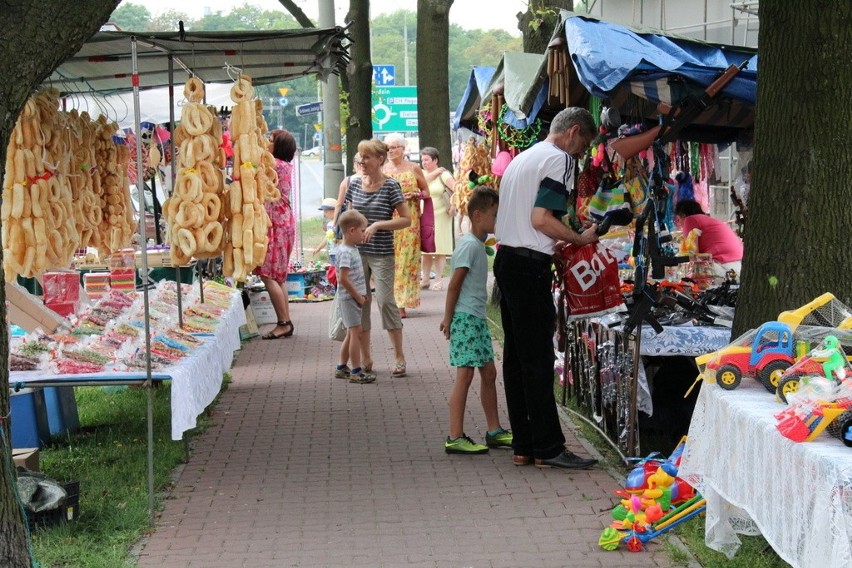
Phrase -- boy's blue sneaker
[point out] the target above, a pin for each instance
(342, 372)
(464, 445)
(499, 438)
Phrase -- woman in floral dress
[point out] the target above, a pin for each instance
(281, 234)
(406, 242)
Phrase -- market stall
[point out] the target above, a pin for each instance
(91, 186)
(797, 495)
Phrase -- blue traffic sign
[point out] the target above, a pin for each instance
(310, 108)
(384, 75)
(283, 101)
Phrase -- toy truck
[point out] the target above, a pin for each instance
(764, 354)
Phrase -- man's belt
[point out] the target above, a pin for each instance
(528, 253)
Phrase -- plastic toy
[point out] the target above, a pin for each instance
(764, 354)
(654, 501)
(827, 361)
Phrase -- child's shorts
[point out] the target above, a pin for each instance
(470, 341)
(350, 312)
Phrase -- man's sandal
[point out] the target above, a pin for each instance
(399, 370)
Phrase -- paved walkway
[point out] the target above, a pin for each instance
(300, 469)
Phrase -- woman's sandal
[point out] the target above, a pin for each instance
(438, 286)
(288, 333)
(399, 370)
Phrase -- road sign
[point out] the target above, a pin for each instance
(310, 108)
(384, 75)
(283, 101)
(394, 109)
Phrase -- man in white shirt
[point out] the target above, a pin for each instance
(534, 196)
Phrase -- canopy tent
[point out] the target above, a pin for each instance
(103, 63)
(119, 62)
(636, 68)
(472, 98)
(153, 104)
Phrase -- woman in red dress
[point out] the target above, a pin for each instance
(281, 233)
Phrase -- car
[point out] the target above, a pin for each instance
(315, 151)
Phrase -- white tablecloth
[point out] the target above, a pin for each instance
(689, 341)
(798, 495)
(196, 379)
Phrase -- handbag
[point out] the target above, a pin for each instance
(427, 227)
(448, 199)
(336, 330)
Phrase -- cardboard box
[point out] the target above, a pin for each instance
(261, 307)
(26, 458)
(249, 330)
(28, 312)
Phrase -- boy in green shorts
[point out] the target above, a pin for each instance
(464, 324)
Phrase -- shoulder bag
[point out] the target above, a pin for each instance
(448, 198)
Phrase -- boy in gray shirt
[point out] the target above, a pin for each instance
(352, 293)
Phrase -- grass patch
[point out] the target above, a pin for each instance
(108, 456)
(312, 231)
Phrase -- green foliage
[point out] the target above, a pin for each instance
(108, 456)
(132, 17)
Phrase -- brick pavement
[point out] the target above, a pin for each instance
(300, 469)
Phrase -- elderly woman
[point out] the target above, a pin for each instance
(281, 234)
(439, 180)
(380, 199)
(406, 287)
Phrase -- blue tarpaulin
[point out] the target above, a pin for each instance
(606, 55)
(471, 100)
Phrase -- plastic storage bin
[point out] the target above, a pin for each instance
(30, 428)
(62, 417)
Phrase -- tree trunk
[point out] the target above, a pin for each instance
(433, 93)
(797, 240)
(297, 13)
(539, 21)
(359, 80)
(32, 45)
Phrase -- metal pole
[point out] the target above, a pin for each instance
(332, 157)
(140, 190)
(174, 175)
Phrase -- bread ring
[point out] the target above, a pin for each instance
(57, 211)
(193, 90)
(18, 201)
(210, 177)
(242, 89)
(179, 136)
(186, 242)
(177, 256)
(211, 237)
(235, 193)
(27, 264)
(55, 186)
(261, 219)
(248, 218)
(212, 206)
(237, 230)
(196, 119)
(248, 182)
(248, 247)
(204, 148)
(190, 215)
(55, 246)
(239, 265)
(188, 186)
(228, 260)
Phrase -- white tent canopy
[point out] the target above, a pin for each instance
(153, 104)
